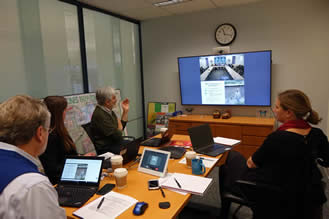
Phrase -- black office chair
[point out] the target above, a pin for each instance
(87, 128)
(233, 189)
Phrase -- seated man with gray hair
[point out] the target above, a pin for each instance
(105, 125)
(24, 191)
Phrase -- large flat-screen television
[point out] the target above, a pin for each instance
(228, 79)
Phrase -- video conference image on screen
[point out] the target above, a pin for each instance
(222, 79)
(154, 161)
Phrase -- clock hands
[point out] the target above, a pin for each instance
(224, 32)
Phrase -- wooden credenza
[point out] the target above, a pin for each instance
(251, 131)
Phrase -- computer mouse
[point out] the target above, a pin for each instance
(140, 208)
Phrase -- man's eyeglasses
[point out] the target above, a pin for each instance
(49, 130)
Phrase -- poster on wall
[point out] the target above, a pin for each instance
(158, 114)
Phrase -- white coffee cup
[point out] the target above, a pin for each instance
(120, 175)
(190, 155)
(116, 162)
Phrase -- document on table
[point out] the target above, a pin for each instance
(226, 141)
(187, 183)
(113, 205)
(162, 180)
(106, 155)
(207, 161)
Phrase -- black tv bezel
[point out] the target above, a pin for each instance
(235, 105)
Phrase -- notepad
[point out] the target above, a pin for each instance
(226, 141)
(189, 183)
(113, 205)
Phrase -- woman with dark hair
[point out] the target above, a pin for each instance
(288, 160)
(60, 143)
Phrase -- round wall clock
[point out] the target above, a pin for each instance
(225, 34)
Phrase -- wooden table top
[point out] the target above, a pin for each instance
(137, 188)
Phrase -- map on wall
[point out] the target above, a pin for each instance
(79, 111)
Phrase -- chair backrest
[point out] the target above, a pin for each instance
(82, 141)
(233, 169)
(87, 128)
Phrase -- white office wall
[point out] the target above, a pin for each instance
(295, 30)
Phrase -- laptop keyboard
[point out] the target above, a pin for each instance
(153, 142)
(213, 148)
(74, 196)
(175, 152)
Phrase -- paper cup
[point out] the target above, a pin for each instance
(120, 175)
(190, 155)
(116, 162)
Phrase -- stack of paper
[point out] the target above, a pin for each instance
(187, 183)
(113, 205)
(226, 141)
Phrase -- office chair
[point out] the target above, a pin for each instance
(265, 200)
(87, 128)
(233, 189)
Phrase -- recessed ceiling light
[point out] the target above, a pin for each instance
(169, 2)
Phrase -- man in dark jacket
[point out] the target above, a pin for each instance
(105, 125)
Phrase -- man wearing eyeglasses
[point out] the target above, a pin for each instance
(24, 191)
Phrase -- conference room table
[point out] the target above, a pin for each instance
(137, 187)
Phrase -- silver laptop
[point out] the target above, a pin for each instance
(203, 141)
(79, 180)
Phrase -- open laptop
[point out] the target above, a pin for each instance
(203, 142)
(156, 142)
(79, 180)
(129, 151)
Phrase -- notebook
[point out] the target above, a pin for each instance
(156, 142)
(79, 180)
(203, 142)
(187, 183)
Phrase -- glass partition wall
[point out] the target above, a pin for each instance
(113, 58)
(40, 52)
(43, 54)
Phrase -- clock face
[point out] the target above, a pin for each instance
(225, 34)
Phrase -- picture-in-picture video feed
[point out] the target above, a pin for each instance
(222, 80)
(226, 79)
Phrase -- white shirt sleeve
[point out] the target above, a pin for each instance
(30, 196)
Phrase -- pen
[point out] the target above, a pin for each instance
(177, 183)
(162, 192)
(100, 203)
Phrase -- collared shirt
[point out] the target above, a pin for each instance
(109, 111)
(29, 196)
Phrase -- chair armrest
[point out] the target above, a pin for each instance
(257, 185)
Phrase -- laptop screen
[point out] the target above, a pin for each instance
(81, 170)
(201, 136)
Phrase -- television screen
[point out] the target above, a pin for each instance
(226, 79)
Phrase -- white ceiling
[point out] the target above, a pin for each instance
(144, 9)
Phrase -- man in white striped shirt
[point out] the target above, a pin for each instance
(24, 191)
